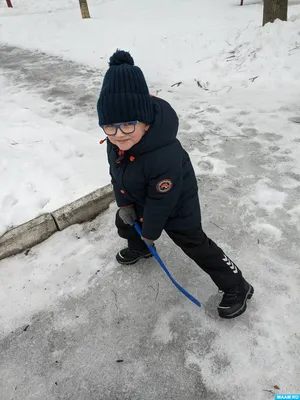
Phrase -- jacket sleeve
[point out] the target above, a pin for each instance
(163, 192)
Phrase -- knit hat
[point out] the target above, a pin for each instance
(124, 94)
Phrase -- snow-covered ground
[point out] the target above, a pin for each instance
(209, 52)
(191, 43)
(239, 113)
(190, 40)
(44, 165)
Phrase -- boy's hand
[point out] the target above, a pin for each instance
(148, 242)
(127, 214)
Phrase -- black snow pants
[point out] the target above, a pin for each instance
(196, 245)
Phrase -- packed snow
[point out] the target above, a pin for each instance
(65, 305)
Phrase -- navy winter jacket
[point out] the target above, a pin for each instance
(157, 177)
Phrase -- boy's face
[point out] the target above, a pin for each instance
(126, 141)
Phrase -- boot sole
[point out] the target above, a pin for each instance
(244, 306)
(134, 261)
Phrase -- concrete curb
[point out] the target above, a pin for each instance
(27, 235)
(41, 228)
(83, 209)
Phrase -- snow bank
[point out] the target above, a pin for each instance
(43, 165)
(268, 55)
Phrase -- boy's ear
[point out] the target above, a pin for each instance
(147, 127)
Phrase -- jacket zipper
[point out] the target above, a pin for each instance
(130, 194)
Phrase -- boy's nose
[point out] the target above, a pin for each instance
(119, 132)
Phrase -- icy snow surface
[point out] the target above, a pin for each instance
(68, 312)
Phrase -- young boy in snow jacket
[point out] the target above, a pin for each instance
(154, 181)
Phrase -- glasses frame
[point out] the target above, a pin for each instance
(119, 126)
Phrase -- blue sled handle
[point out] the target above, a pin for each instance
(159, 260)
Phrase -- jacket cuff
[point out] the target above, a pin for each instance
(151, 234)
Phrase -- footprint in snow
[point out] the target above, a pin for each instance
(270, 136)
(212, 110)
(249, 131)
(185, 126)
(79, 153)
(9, 201)
(234, 121)
(296, 120)
(274, 149)
(205, 166)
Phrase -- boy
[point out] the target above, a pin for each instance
(154, 181)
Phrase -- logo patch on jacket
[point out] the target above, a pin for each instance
(164, 186)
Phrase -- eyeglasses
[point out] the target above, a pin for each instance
(126, 127)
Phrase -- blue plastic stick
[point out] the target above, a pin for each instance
(159, 260)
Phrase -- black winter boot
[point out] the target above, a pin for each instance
(129, 257)
(234, 301)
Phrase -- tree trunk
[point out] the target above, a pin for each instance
(274, 9)
(84, 9)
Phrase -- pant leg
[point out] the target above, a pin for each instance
(128, 232)
(208, 256)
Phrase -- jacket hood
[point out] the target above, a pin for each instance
(162, 132)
